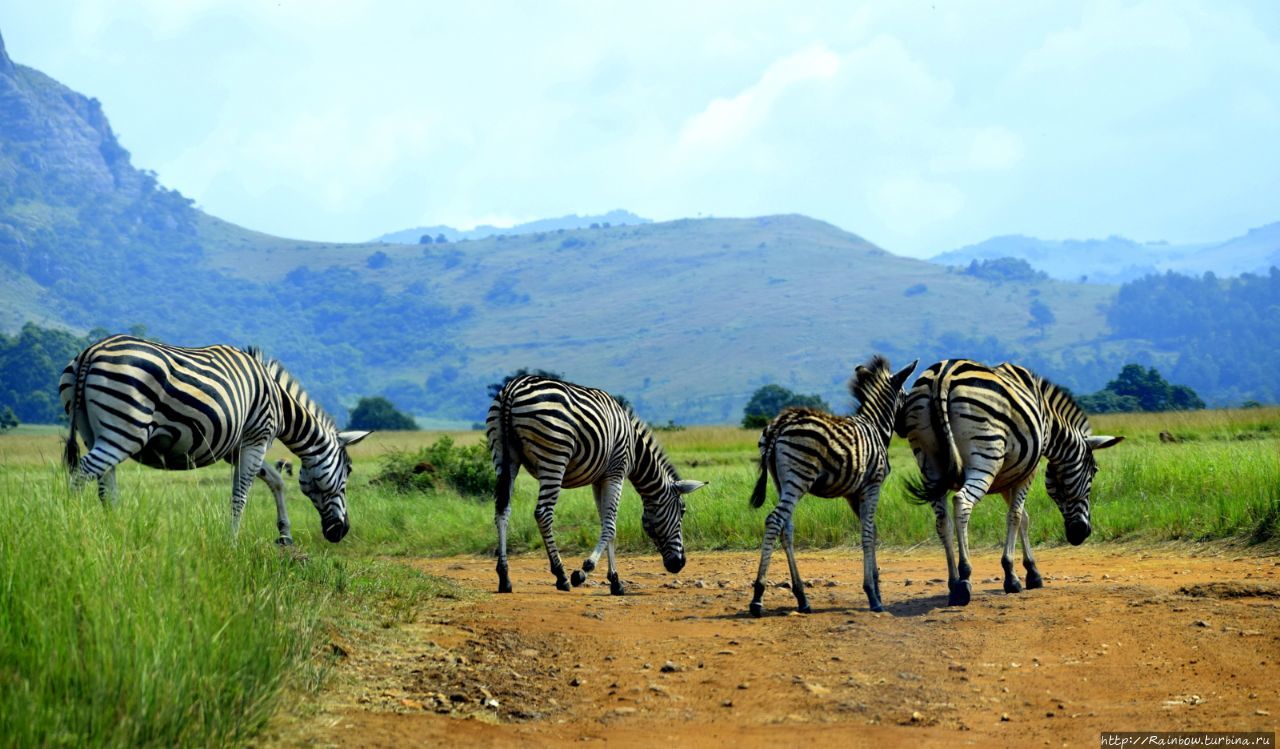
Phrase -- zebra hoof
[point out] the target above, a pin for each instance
(757, 609)
(959, 595)
(562, 584)
(1012, 585)
(1034, 580)
(578, 577)
(805, 608)
(877, 608)
(588, 565)
(284, 541)
(504, 587)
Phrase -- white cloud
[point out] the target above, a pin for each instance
(726, 122)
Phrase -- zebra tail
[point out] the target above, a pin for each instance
(506, 444)
(762, 484)
(949, 455)
(71, 451)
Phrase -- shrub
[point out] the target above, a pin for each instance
(467, 470)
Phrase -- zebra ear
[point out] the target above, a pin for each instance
(350, 438)
(688, 486)
(904, 373)
(1102, 442)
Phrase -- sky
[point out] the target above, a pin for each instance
(921, 126)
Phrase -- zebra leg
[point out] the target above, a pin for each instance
(1034, 580)
(608, 492)
(974, 488)
(545, 514)
(773, 526)
(797, 583)
(866, 512)
(1015, 498)
(107, 491)
(248, 464)
(501, 518)
(956, 595)
(615, 582)
(275, 481)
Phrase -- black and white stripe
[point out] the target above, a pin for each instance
(569, 436)
(813, 452)
(179, 408)
(978, 431)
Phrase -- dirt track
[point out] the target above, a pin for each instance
(1119, 639)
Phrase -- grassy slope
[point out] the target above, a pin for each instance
(695, 312)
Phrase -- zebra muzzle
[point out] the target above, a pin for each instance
(673, 564)
(334, 530)
(1078, 531)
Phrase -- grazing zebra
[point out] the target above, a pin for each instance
(813, 452)
(979, 431)
(179, 408)
(569, 436)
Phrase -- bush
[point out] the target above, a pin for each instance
(466, 470)
(768, 401)
(378, 413)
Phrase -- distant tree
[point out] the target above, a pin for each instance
(1004, 269)
(768, 401)
(378, 260)
(424, 239)
(915, 290)
(1139, 388)
(441, 239)
(138, 330)
(8, 419)
(1041, 316)
(378, 413)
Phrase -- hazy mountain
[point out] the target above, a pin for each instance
(572, 221)
(1117, 259)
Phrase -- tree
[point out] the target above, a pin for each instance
(378, 260)
(1041, 315)
(768, 401)
(1140, 389)
(378, 413)
(424, 239)
(8, 420)
(441, 239)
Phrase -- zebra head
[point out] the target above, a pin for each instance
(1069, 483)
(323, 478)
(663, 519)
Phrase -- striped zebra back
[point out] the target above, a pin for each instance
(959, 400)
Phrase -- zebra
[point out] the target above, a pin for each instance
(179, 408)
(814, 452)
(569, 436)
(978, 431)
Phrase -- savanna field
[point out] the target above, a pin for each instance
(142, 624)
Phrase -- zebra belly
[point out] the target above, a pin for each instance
(163, 451)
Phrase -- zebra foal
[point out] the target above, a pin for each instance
(813, 452)
(179, 408)
(568, 436)
(979, 430)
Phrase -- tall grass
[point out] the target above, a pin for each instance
(143, 625)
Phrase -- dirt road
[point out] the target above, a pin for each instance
(1119, 639)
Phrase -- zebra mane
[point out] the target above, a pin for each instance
(645, 436)
(872, 383)
(290, 385)
(1063, 403)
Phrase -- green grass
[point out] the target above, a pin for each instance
(142, 624)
